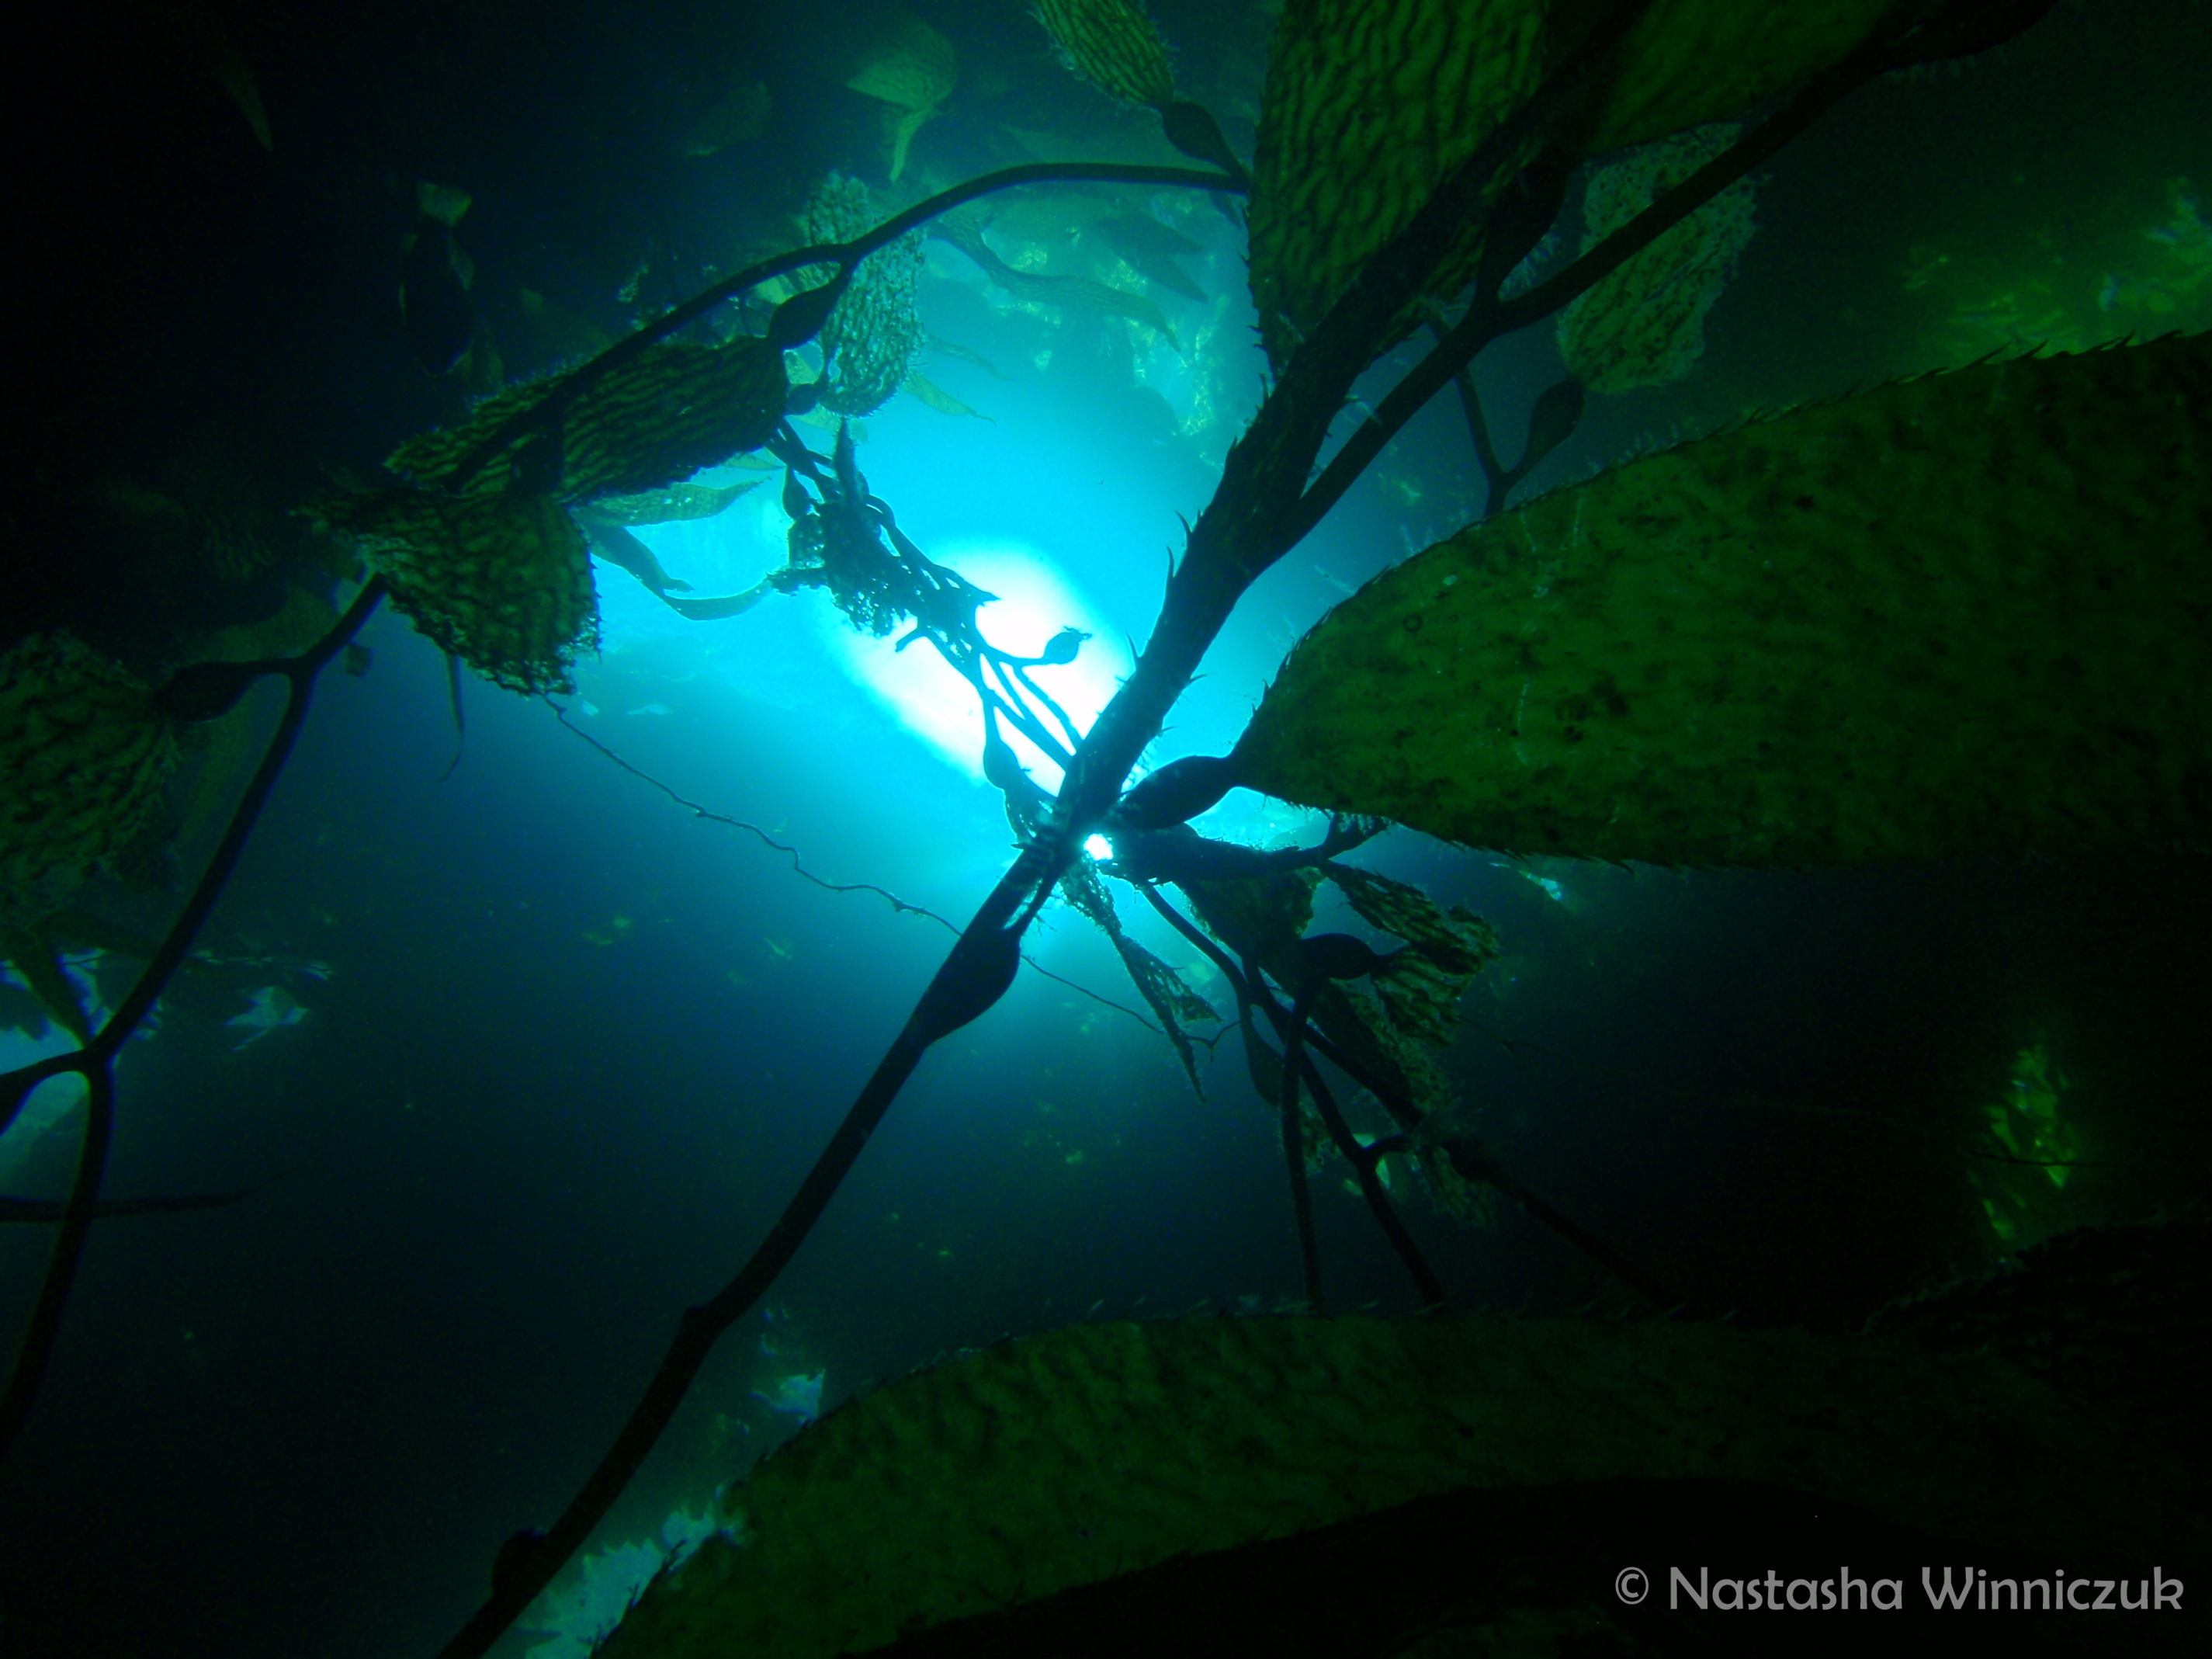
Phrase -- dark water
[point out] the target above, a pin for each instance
(577, 1046)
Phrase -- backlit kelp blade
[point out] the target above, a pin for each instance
(501, 581)
(500, 576)
(1038, 1467)
(1371, 104)
(1960, 615)
(85, 754)
(673, 410)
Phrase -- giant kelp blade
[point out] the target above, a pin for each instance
(869, 340)
(1370, 105)
(1113, 45)
(913, 68)
(85, 754)
(1042, 1466)
(673, 410)
(501, 581)
(676, 504)
(1968, 614)
(1261, 919)
(1688, 62)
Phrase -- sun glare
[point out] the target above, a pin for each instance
(1036, 601)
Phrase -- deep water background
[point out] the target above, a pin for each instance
(579, 1045)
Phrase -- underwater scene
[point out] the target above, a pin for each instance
(1365, 827)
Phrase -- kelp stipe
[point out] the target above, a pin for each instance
(1264, 505)
(557, 447)
(1262, 508)
(95, 1060)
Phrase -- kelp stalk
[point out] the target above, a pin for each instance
(95, 1062)
(1249, 995)
(1490, 318)
(546, 414)
(1260, 511)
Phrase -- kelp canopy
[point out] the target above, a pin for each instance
(1950, 615)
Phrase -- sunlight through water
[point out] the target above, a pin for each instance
(1036, 601)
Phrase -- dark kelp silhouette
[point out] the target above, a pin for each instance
(510, 478)
(32, 1212)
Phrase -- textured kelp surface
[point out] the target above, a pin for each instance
(1968, 614)
(1371, 104)
(503, 582)
(672, 411)
(1059, 1460)
(500, 575)
(83, 756)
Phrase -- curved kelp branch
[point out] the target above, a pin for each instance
(1250, 994)
(1489, 317)
(1552, 421)
(1179, 853)
(1323, 960)
(1013, 672)
(1234, 542)
(798, 319)
(1259, 512)
(1362, 1160)
(201, 692)
(37, 1345)
(1474, 1159)
(975, 976)
(41, 1211)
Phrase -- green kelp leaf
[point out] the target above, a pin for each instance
(1389, 1036)
(1153, 251)
(21, 1009)
(1956, 616)
(1043, 288)
(740, 115)
(503, 582)
(1370, 105)
(1175, 1002)
(965, 232)
(1456, 940)
(1689, 62)
(85, 754)
(32, 952)
(672, 505)
(675, 409)
(967, 355)
(912, 68)
(1001, 1484)
(1644, 324)
(869, 342)
(1262, 918)
(1113, 44)
(1420, 987)
(935, 397)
